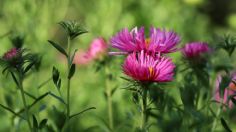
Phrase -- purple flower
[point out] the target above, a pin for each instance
(163, 41)
(135, 41)
(145, 67)
(195, 49)
(11, 54)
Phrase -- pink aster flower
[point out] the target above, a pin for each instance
(230, 90)
(163, 41)
(12, 53)
(97, 48)
(145, 67)
(195, 49)
(134, 41)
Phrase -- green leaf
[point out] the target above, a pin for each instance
(72, 28)
(57, 97)
(10, 110)
(82, 112)
(224, 84)
(58, 47)
(223, 122)
(43, 123)
(55, 75)
(72, 57)
(28, 67)
(14, 78)
(72, 71)
(35, 123)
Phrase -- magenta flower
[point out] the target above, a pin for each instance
(98, 47)
(195, 49)
(145, 67)
(12, 53)
(230, 90)
(163, 41)
(135, 41)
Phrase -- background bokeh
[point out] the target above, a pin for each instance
(37, 20)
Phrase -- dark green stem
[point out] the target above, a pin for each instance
(24, 101)
(68, 84)
(144, 110)
(109, 99)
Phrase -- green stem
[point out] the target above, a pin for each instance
(217, 115)
(144, 110)
(68, 84)
(109, 100)
(24, 101)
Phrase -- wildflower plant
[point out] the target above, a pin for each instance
(73, 30)
(18, 62)
(145, 63)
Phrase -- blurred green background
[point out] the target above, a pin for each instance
(193, 20)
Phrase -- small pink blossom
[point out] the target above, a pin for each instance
(134, 41)
(145, 67)
(12, 53)
(195, 49)
(97, 48)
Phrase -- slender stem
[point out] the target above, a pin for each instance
(144, 110)
(109, 99)
(217, 115)
(68, 83)
(24, 101)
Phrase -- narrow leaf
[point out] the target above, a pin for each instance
(35, 123)
(28, 67)
(73, 56)
(82, 112)
(58, 47)
(72, 71)
(10, 110)
(14, 78)
(223, 122)
(43, 123)
(55, 75)
(58, 98)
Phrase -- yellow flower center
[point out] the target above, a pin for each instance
(147, 41)
(151, 72)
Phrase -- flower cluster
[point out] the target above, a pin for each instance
(145, 61)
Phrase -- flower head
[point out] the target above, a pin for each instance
(228, 91)
(11, 54)
(98, 47)
(195, 49)
(135, 41)
(145, 67)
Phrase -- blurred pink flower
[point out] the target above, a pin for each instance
(195, 49)
(98, 47)
(145, 67)
(135, 41)
(12, 53)
(227, 92)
